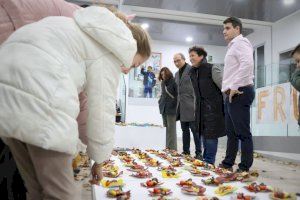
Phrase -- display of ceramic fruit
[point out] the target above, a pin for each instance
(112, 183)
(164, 198)
(176, 163)
(152, 162)
(254, 187)
(142, 174)
(170, 168)
(137, 168)
(126, 159)
(175, 153)
(221, 171)
(118, 193)
(198, 163)
(169, 174)
(197, 172)
(130, 164)
(189, 159)
(242, 196)
(152, 151)
(228, 177)
(109, 168)
(225, 189)
(209, 166)
(162, 155)
(278, 195)
(167, 150)
(207, 198)
(151, 183)
(136, 151)
(142, 155)
(112, 174)
(123, 153)
(194, 190)
(213, 181)
(160, 192)
(189, 182)
(247, 176)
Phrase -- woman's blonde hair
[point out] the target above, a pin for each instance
(139, 34)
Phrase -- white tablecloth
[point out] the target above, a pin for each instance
(140, 137)
(141, 193)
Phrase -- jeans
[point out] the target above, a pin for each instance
(237, 122)
(210, 150)
(148, 90)
(186, 126)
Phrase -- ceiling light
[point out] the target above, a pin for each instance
(189, 39)
(288, 2)
(145, 26)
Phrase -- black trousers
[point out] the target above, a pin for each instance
(186, 126)
(237, 122)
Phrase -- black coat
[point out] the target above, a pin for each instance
(210, 108)
(168, 102)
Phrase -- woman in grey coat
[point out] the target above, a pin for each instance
(167, 106)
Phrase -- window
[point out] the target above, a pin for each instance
(260, 68)
(286, 67)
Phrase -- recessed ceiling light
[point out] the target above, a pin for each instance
(288, 2)
(145, 25)
(189, 39)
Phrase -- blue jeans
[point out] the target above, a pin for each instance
(186, 126)
(210, 150)
(148, 90)
(237, 122)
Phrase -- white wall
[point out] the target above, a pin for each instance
(286, 35)
(262, 36)
(168, 49)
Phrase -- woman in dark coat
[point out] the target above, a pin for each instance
(167, 106)
(211, 122)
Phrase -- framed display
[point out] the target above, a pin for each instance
(149, 70)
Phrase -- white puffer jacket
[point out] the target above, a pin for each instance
(43, 68)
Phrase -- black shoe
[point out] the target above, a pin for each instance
(224, 167)
(198, 156)
(241, 170)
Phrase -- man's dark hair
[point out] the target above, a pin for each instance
(296, 50)
(235, 22)
(199, 50)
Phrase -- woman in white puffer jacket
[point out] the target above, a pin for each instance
(43, 68)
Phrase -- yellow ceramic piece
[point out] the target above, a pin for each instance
(172, 174)
(225, 189)
(113, 183)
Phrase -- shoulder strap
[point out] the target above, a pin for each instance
(169, 92)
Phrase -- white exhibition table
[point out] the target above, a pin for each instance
(141, 193)
(148, 137)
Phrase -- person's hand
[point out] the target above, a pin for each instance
(233, 93)
(97, 175)
(125, 70)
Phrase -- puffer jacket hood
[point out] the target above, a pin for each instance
(97, 23)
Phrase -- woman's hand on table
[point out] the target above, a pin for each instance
(97, 175)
